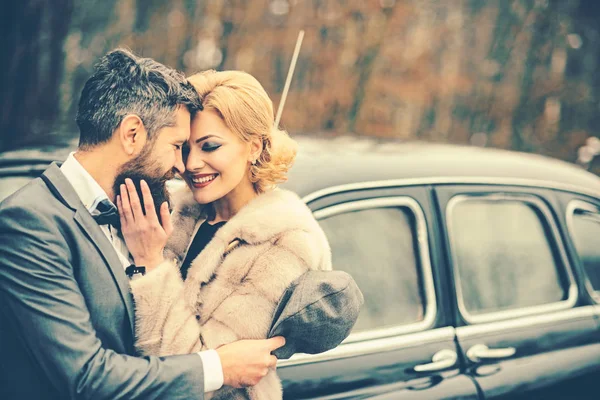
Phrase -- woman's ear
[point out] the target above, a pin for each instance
(256, 148)
(132, 134)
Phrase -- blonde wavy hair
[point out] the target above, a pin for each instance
(247, 110)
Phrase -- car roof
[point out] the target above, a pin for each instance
(327, 165)
(321, 164)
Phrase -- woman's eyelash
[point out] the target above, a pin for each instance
(210, 147)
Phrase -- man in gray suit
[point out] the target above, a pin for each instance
(66, 313)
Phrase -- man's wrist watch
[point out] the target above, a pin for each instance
(135, 271)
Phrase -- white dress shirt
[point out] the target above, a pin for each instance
(90, 193)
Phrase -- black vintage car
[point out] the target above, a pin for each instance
(480, 270)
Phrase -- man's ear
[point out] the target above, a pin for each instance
(256, 148)
(132, 134)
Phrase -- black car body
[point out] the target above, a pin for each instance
(480, 270)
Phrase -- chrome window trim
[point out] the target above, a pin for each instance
(572, 206)
(347, 350)
(518, 312)
(424, 260)
(458, 180)
(474, 331)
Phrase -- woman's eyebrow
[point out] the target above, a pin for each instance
(205, 137)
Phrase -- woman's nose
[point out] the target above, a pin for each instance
(194, 162)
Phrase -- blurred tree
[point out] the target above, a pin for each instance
(96, 26)
(33, 34)
(516, 74)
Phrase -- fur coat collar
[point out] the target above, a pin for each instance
(264, 219)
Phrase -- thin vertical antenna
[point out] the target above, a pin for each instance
(288, 80)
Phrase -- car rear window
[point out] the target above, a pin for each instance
(505, 255)
(585, 230)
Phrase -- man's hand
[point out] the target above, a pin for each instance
(246, 362)
(143, 233)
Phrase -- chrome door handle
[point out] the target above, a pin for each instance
(441, 360)
(480, 352)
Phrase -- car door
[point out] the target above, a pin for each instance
(523, 326)
(402, 343)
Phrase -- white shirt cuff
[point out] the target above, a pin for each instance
(213, 370)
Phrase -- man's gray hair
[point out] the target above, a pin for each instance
(124, 84)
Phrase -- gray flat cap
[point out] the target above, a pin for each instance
(316, 312)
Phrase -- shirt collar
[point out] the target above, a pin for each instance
(86, 187)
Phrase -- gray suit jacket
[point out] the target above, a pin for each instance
(66, 313)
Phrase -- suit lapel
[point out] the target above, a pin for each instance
(61, 187)
(91, 229)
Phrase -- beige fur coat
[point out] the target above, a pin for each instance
(235, 283)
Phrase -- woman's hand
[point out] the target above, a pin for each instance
(143, 233)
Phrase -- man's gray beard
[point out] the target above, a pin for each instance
(140, 168)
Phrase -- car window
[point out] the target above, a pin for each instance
(505, 255)
(378, 247)
(585, 230)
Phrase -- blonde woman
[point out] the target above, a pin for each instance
(239, 241)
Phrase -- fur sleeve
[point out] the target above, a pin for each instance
(164, 324)
(311, 247)
(241, 307)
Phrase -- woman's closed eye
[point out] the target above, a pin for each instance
(210, 146)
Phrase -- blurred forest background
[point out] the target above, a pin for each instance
(514, 74)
